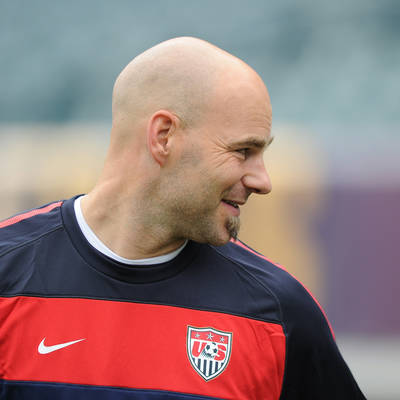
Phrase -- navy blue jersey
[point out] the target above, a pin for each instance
(213, 323)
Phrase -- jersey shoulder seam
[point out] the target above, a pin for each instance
(267, 288)
(305, 289)
(28, 242)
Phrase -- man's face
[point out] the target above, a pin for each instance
(221, 165)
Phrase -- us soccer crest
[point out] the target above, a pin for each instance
(209, 350)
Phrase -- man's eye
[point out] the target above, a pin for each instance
(243, 152)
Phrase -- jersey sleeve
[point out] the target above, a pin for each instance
(315, 368)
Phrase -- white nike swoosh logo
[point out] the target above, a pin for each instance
(43, 349)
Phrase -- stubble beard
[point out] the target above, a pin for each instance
(197, 219)
(205, 230)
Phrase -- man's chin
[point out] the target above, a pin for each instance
(219, 235)
(221, 238)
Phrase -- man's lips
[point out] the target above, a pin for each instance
(233, 206)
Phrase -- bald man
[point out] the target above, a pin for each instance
(140, 289)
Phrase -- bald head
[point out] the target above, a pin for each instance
(190, 122)
(180, 75)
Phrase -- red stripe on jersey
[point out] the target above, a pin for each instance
(21, 217)
(135, 345)
(237, 242)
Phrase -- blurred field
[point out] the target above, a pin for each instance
(332, 70)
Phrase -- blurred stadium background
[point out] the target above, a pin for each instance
(332, 69)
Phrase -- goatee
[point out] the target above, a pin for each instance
(233, 226)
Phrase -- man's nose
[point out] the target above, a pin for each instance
(257, 179)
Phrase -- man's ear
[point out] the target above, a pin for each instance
(160, 127)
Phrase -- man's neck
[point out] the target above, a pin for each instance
(122, 229)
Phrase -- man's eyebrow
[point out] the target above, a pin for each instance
(254, 142)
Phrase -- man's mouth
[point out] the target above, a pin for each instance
(233, 206)
(232, 203)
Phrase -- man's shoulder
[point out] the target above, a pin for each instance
(254, 266)
(295, 299)
(29, 225)
(253, 262)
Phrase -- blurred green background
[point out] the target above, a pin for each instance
(332, 69)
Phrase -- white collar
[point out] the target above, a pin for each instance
(102, 248)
